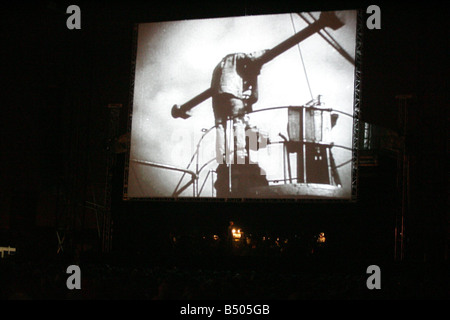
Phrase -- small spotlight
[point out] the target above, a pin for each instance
(321, 238)
(237, 234)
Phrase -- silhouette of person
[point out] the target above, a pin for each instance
(235, 90)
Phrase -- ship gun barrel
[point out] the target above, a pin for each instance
(326, 19)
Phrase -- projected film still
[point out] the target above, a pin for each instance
(244, 107)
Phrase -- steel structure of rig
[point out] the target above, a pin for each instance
(307, 125)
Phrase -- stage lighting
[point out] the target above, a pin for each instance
(237, 234)
(321, 238)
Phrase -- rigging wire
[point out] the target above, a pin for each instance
(329, 38)
(301, 57)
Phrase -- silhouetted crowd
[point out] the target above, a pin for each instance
(233, 281)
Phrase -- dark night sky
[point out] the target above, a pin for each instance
(56, 81)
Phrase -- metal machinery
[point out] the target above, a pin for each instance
(308, 141)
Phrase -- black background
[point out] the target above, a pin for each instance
(58, 81)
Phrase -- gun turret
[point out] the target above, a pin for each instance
(326, 19)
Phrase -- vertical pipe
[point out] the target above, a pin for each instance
(212, 183)
(284, 162)
(232, 153)
(395, 240)
(329, 166)
(305, 180)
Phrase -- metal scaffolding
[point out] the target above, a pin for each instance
(357, 102)
(107, 225)
(85, 185)
(403, 165)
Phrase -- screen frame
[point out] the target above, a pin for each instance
(355, 130)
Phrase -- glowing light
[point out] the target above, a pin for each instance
(321, 238)
(237, 234)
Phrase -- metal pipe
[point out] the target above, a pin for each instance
(326, 19)
(165, 166)
(183, 110)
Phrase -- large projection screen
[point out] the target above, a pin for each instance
(252, 107)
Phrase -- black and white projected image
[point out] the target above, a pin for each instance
(244, 107)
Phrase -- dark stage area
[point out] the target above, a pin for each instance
(64, 139)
